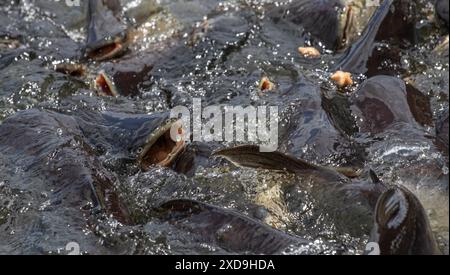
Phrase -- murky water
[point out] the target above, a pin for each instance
(65, 141)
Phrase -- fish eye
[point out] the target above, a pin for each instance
(139, 150)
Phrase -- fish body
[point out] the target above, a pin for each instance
(229, 229)
(380, 103)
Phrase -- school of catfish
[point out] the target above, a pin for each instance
(86, 154)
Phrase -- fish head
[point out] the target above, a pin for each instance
(401, 224)
(380, 102)
(143, 139)
(108, 47)
(158, 142)
(107, 35)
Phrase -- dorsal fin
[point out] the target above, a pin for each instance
(373, 176)
(251, 157)
(356, 57)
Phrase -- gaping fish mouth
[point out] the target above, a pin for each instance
(71, 69)
(105, 86)
(392, 209)
(161, 149)
(107, 50)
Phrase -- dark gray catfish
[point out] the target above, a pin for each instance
(61, 153)
(401, 225)
(392, 215)
(228, 229)
(107, 33)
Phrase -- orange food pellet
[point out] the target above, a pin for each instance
(309, 51)
(342, 79)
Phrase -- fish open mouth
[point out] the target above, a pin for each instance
(105, 52)
(108, 50)
(76, 70)
(105, 86)
(392, 209)
(161, 149)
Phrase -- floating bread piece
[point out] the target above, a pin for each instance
(342, 79)
(309, 51)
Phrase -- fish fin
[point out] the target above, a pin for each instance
(374, 177)
(251, 157)
(356, 57)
